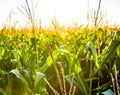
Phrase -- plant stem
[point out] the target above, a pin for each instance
(55, 67)
(90, 77)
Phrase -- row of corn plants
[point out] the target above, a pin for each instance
(78, 62)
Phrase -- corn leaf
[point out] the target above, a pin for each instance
(19, 76)
(2, 91)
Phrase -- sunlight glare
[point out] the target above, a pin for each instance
(66, 11)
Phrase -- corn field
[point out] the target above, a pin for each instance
(59, 61)
(82, 61)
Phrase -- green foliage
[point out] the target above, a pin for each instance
(80, 83)
(3, 91)
(89, 54)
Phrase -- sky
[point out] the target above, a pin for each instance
(66, 11)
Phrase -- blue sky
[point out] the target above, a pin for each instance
(66, 11)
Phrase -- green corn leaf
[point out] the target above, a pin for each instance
(110, 52)
(77, 68)
(49, 60)
(27, 73)
(94, 52)
(108, 55)
(19, 76)
(118, 51)
(2, 91)
(39, 77)
(108, 92)
(16, 54)
(2, 52)
(102, 87)
(80, 84)
(118, 35)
